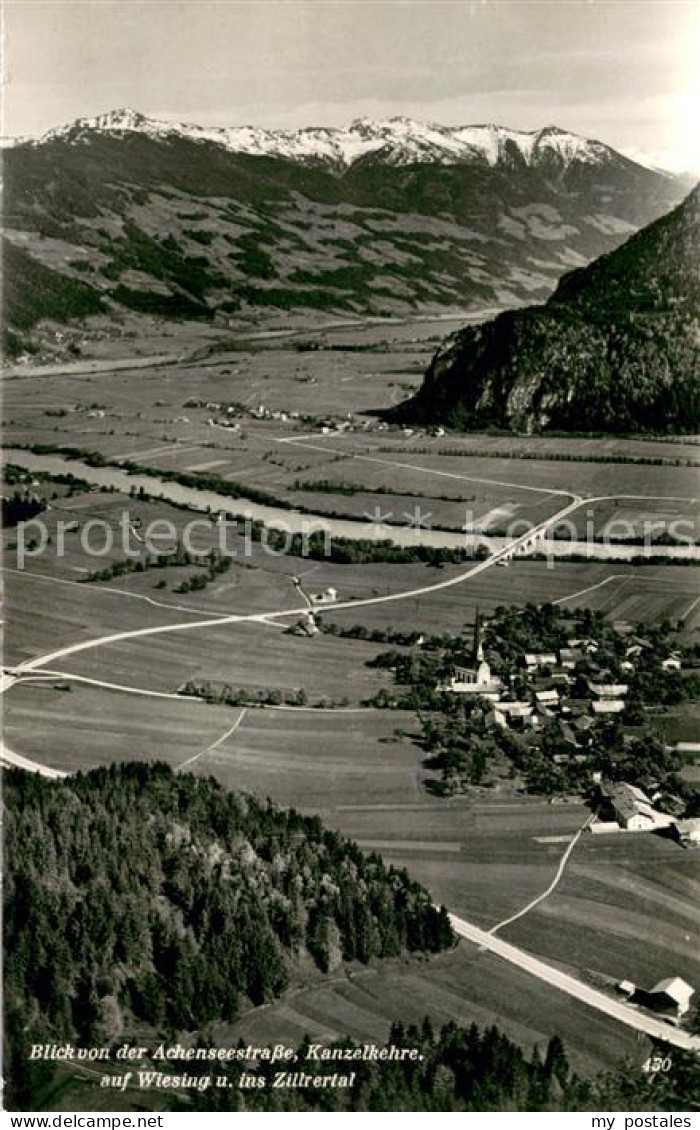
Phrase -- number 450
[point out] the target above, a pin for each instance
(657, 1063)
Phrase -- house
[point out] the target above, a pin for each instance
(672, 994)
(569, 657)
(328, 596)
(608, 706)
(520, 714)
(687, 831)
(548, 698)
(633, 809)
(516, 709)
(672, 663)
(636, 646)
(608, 690)
(307, 626)
(584, 643)
(496, 717)
(560, 677)
(540, 659)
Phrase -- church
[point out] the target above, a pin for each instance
(476, 679)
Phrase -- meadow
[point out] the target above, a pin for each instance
(464, 986)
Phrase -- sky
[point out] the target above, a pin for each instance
(624, 71)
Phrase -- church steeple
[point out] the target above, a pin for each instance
(478, 648)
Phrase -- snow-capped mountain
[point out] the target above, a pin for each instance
(395, 141)
(125, 217)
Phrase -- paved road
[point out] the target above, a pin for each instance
(68, 676)
(349, 453)
(617, 1010)
(263, 617)
(9, 758)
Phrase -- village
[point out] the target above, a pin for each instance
(568, 699)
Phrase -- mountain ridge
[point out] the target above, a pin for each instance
(106, 233)
(396, 140)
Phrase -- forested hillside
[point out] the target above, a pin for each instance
(616, 348)
(134, 895)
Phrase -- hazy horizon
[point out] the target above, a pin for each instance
(621, 71)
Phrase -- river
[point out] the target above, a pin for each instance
(295, 521)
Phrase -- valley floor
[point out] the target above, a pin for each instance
(625, 908)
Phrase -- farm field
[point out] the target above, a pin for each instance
(626, 907)
(623, 592)
(153, 415)
(282, 379)
(251, 656)
(47, 612)
(333, 376)
(464, 986)
(88, 726)
(354, 476)
(485, 858)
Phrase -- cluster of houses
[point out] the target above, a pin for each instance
(229, 412)
(258, 413)
(549, 677)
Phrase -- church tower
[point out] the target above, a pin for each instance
(478, 646)
(483, 671)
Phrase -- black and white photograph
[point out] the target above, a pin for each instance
(350, 401)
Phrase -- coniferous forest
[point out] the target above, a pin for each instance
(137, 899)
(133, 894)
